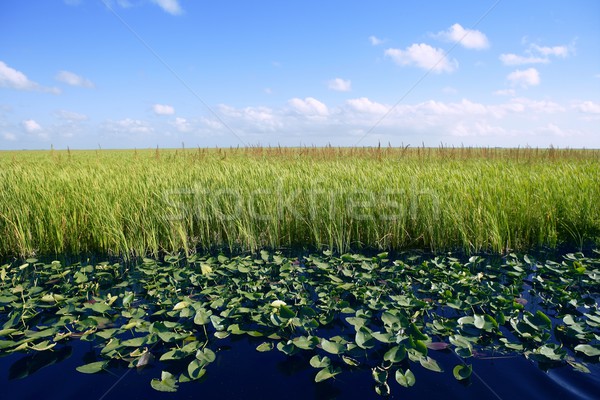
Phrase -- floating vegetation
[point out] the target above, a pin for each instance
(390, 316)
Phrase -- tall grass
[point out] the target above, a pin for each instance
(139, 202)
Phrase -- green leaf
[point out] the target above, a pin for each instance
(588, 350)
(320, 362)
(202, 316)
(206, 355)
(332, 347)
(175, 354)
(326, 373)
(478, 321)
(379, 374)
(363, 338)
(166, 383)
(265, 346)
(543, 318)
(430, 364)
(286, 312)
(196, 370)
(93, 367)
(350, 361)
(181, 305)
(462, 371)
(383, 389)
(135, 342)
(406, 379)
(395, 354)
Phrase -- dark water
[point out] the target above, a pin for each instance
(240, 372)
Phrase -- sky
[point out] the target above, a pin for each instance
(88, 74)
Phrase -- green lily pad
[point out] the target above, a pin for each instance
(332, 347)
(166, 383)
(327, 373)
(93, 367)
(265, 346)
(406, 379)
(395, 354)
(588, 350)
(462, 371)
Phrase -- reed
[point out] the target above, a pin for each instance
(150, 201)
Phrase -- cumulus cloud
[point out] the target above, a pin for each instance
(423, 56)
(339, 85)
(73, 79)
(170, 6)
(557, 51)
(514, 59)
(536, 54)
(11, 78)
(468, 38)
(163, 109)
(364, 105)
(524, 78)
(309, 106)
(375, 41)
(505, 92)
(129, 126)
(588, 107)
(182, 124)
(519, 118)
(70, 116)
(31, 126)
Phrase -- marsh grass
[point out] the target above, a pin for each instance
(149, 201)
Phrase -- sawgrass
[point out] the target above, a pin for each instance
(146, 202)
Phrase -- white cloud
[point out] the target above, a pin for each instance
(424, 56)
(170, 6)
(11, 78)
(31, 126)
(468, 38)
(9, 136)
(536, 54)
(163, 109)
(588, 107)
(514, 59)
(268, 90)
(511, 121)
(524, 78)
(71, 116)
(536, 106)
(340, 85)
(182, 124)
(73, 79)
(375, 41)
(364, 105)
(557, 51)
(309, 106)
(128, 126)
(259, 118)
(505, 92)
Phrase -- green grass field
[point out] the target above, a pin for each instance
(145, 202)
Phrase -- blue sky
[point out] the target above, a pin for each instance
(147, 73)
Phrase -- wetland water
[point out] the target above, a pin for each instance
(243, 373)
(527, 328)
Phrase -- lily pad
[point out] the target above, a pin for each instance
(93, 367)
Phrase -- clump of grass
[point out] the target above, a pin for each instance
(149, 201)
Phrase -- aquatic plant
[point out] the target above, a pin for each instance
(390, 316)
